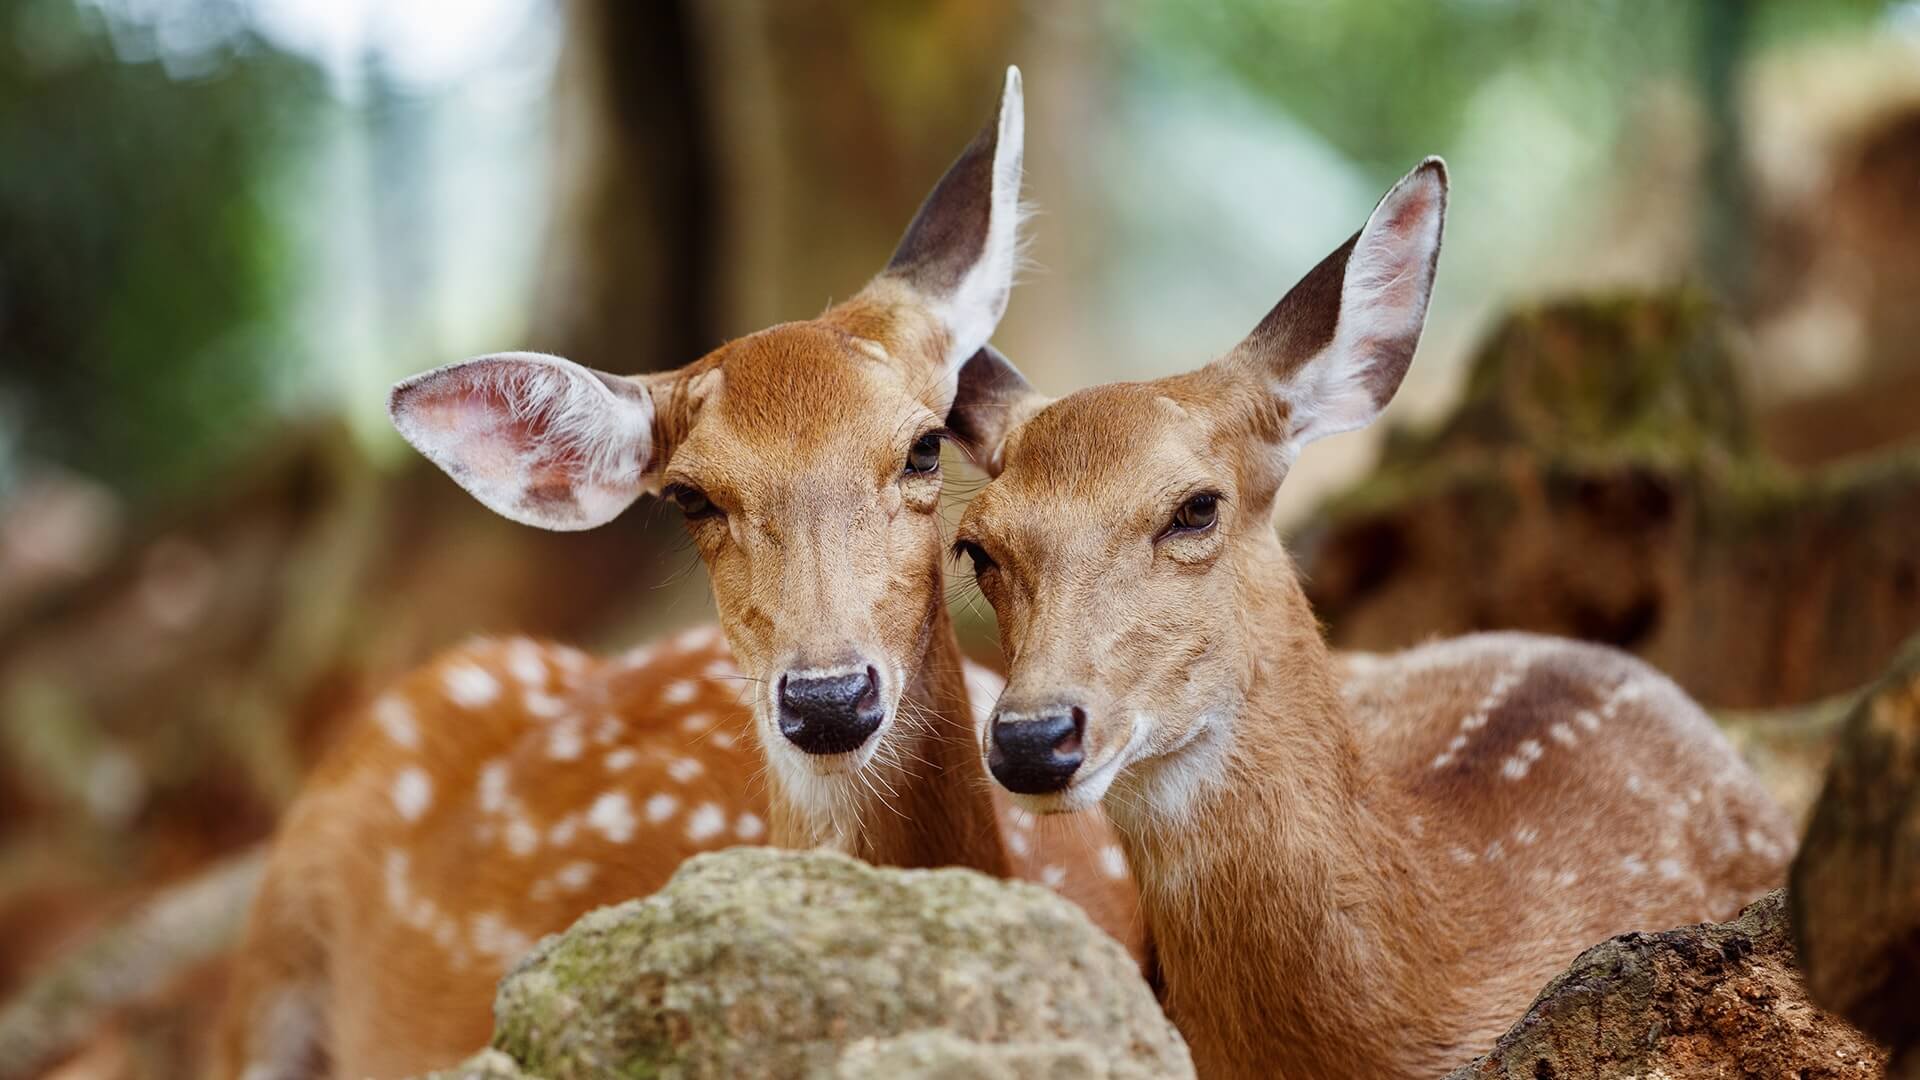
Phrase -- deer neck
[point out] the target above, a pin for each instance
(922, 801)
(1297, 927)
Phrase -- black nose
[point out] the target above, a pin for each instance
(830, 714)
(1036, 753)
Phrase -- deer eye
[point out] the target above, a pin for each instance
(982, 562)
(924, 456)
(1197, 514)
(692, 501)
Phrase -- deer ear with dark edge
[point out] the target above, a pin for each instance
(991, 400)
(1337, 346)
(959, 252)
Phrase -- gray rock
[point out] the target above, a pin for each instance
(755, 962)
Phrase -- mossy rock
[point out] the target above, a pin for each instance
(756, 962)
(1642, 373)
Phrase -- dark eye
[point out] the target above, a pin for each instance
(692, 501)
(924, 456)
(1197, 514)
(982, 562)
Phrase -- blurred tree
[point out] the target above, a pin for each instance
(142, 272)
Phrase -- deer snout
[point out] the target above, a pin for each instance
(1036, 753)
(830, 712)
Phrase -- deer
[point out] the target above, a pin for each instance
(506, 788)
(1350, 865)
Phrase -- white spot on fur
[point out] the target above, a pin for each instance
(1567, 879)
(1053, 876)
(544, 706)
(720, 669)
(1018, 844)
(612, 816)
(522, 838)
(1562, 734)
(637, 657)
(1462, 856)
(412, 793)
(607, 731)
(662, 806)
(493, 786)
(706, 823)
(680, 692)
(565, 742)
(696, 723)
(1634, 865)
(1495, 850)
(1113, 861)
(1670, 869)
(621, 759)
(1525, 834)
(491, 936)
(395, 717)
(525, 663)
(470, 687)
(685, 769)
(397, 870)
(575, 875)
(1416, 826)
(1516, 766)
(722, 739)
(748, 826)
(563, 830)
(695, 638)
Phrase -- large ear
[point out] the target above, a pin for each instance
(991, 400)
(1337, 346)
(959, 253)
(538, 439)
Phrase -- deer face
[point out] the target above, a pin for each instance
(805, 458)
(1127, 532)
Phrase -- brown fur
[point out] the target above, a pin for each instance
(1350, 866)
(410, 873)
(1312, 906)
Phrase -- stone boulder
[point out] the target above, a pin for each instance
(1600, 479)
(756, 962)
(1856, 881)
(1715, 1000)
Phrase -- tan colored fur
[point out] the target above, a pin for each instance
(502, 791)
(1350, 866)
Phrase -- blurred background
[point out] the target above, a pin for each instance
(1669, 395)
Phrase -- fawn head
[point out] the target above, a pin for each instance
(805, 459)
(1129, 525)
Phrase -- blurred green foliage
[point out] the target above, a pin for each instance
(1424, 62)
(144, 281)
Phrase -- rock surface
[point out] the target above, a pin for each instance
(1716, 1000)
(1602, 480)
(755, 962)
(1856, 881)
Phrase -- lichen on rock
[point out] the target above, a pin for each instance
(756, 962)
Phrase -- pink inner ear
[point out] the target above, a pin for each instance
(535, 438)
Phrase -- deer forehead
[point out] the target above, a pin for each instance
(803, 394)
(1107, 456)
